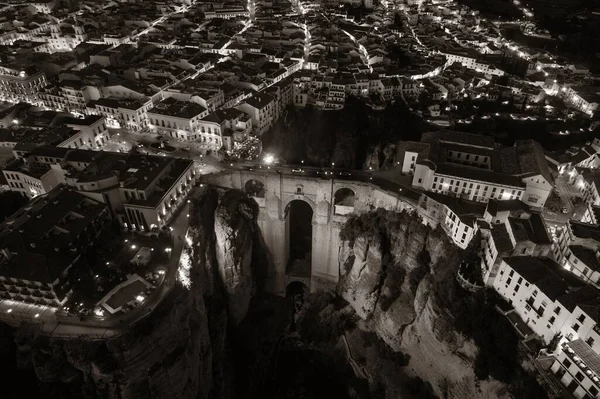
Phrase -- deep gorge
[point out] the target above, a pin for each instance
(387, 331)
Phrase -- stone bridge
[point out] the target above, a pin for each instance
(280, 196)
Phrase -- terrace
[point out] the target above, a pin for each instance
(111, 264)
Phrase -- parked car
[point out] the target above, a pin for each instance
(185, 148)
(565, 210)
(345, 174)
(297, 170)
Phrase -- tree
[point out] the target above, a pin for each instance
(471, 266)
(554, 202)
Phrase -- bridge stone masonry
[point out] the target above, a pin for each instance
(331, 202)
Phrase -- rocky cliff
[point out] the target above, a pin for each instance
(189, 346)
(399, 277)
(235, 225)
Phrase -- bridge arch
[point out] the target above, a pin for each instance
(344, 201)
(298, 218)
(298, 197)
(255, 188)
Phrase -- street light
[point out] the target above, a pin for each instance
(268, 159)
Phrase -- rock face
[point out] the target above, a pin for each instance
(184, 348)
(235, 223)
(397, 274)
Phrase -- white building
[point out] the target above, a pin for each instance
(541, 292)
(18, 84)
(132, 114)
(577, 249)
(511, 230)
(176, 119)
(223, 127)
(472, 167)
(262, 109)
(458, 218)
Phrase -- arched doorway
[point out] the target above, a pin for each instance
(299, 215)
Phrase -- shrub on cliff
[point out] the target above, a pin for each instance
(375, 225)
(470, 268)
(323, 320)
(498, 354)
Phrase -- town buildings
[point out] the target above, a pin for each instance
(143, 192)
(43, 241)
(472, 167)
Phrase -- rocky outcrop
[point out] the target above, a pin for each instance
(398, 275)
(235, 224)
(384, 268)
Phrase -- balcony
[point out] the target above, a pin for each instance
(539, 311)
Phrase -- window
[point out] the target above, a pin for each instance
(552, 320)
(579, 376)
(508, 281)
(567, 363)
(534, 293)
(520, 280)
(575, 327)
(420, 180)
(517, 288)
(512, 272)
(594, 391)
(590, 341)
(557, 310)
(581, 318)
